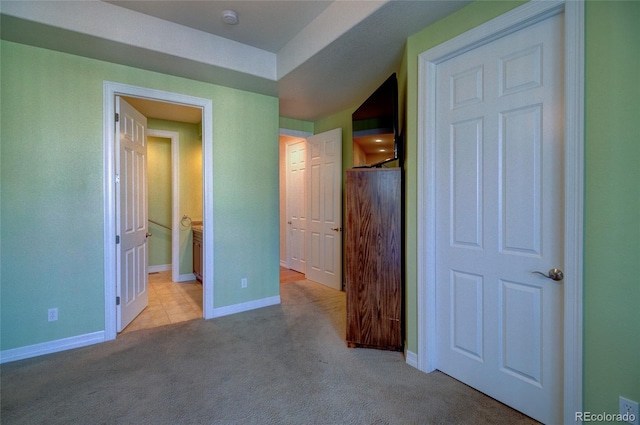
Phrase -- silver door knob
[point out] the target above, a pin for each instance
(149, 234)
(553, 274)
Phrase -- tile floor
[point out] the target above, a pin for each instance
(169, 302)
(288, 275)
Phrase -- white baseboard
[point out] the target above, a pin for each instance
(35, 350)
(159, 268)
(186, 277)
(250, 305)
(411, 359)
(49, 347)
(98, 337)
(283, 263)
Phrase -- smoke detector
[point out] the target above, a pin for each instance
(230, 17)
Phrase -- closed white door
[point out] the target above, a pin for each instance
(324, 194)
(131, 207)
(499, 218)
(296, 205)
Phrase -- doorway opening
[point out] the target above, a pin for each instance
(173, 138)
(311, 211)
(110, 91)
(292, 203)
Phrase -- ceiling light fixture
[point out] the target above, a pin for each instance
(230, 17)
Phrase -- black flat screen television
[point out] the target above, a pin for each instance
(375, 127)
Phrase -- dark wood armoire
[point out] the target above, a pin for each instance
(373, 251)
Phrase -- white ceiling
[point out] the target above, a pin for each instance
(267, 25)
(319, 57)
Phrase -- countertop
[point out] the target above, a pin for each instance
(196, 226)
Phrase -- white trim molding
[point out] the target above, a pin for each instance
(49, 347)
(411, 358)
(574, 208)
(185, 277)
(521, 17)
(110, 90)
(160, 268)
(247, 306)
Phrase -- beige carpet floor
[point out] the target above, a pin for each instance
(284, 364)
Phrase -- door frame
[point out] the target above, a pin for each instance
(521, 17)
(110, 91)
(174, 136)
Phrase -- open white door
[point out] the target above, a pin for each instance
(131, 211)
(324, 194)
(296, 205)
(499, 155)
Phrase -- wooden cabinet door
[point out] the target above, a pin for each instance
(373, 247)
(197, 255)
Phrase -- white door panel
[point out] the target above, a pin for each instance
(324, 230)
(499, 214)
(131, 205)
(296, 205)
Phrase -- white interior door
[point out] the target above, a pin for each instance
(324, 194)
(131, 207)
(499, 217)
(296, 205)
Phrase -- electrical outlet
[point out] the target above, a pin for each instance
(244, 282)
(629, 411)
(53, 314)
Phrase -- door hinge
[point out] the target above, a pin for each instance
(117, 239)
(117, 300)
(117, 117)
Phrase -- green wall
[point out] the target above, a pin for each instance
(612, 205)
(52, 200)
(190, 186)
